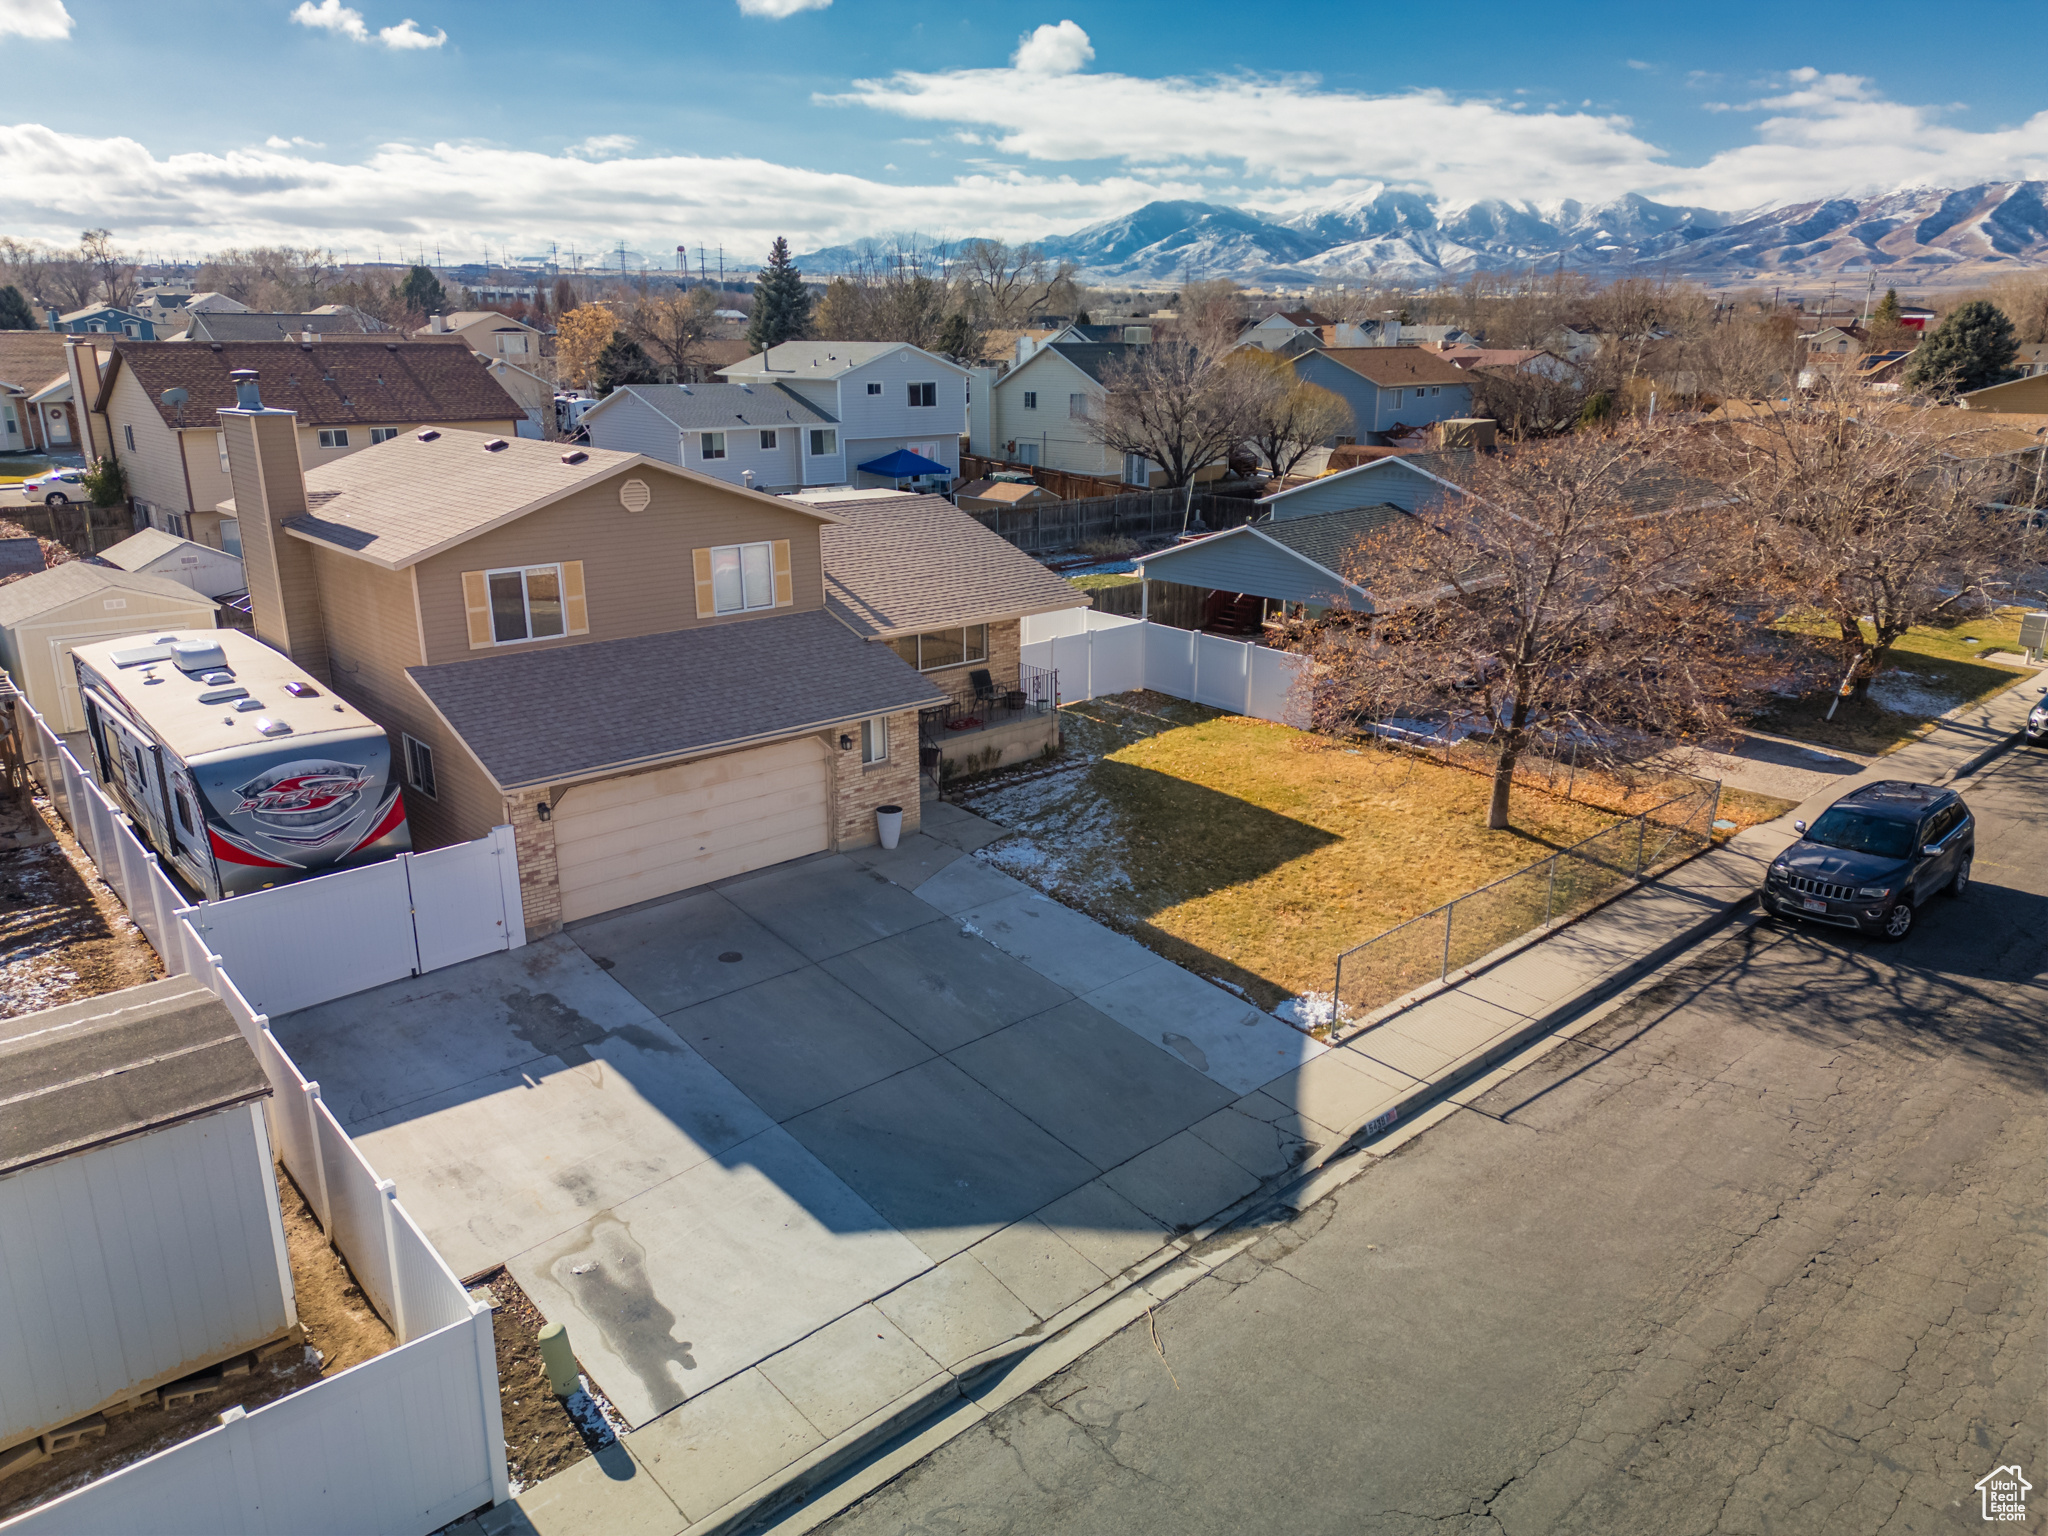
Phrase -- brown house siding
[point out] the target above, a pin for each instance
(637, 568)
(857, 788)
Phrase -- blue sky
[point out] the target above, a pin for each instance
(354, 123)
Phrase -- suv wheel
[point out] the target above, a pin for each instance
(1961, 882)
(1899, 921)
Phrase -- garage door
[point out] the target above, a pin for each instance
(631, 839)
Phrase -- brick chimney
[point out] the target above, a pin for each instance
(270, 486)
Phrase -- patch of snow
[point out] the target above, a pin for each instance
(1904, 694)
(1312, 1010)
(594, 1415)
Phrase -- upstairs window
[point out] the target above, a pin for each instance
(531, 602)
(874, 389)
(924, 394)
(1030, 399)
(767, 441)
(334, 437)
(740, 578)
(824, 442)
(128, 437)
(1077, 407)
(220, 441)
(711, 445)
(382, 435)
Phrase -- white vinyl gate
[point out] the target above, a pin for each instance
(1099, 653)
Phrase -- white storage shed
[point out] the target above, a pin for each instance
(43, 617)
(140, 1234)
(153, 552)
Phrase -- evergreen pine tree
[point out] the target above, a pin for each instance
(956, 336)
(1973, 348)
(15, 314)
(782, 305)
(1886, 316)
(422, 293)
(623, 362)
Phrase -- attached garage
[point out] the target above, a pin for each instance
(626, 840)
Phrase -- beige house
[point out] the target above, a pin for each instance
(30, 363)
(156, 406)
(44, 617)
(643, 670)
(489, 334)
(2025, 396)
(1039, 411)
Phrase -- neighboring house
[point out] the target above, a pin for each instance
(533, 394)
(488, 334)
(2025, 396)
(744, 434)
(1578, 346)
(1388, 387)
(1514, 359)
(1039, 411)
(211, 303)
(28, 359)
(1915, 318)
(1883, 369)
(1273, 332)
(55, 416)
(948, 596)
(348, 395)
(105, 319)
(250, 325)
(2032, 359)
(1001, 495)
(884, 395)
(43, 617)
(137, 1170)
(631, 663)
(1407, 482)
(1833, 341)
(152, 552)
(1296, 564)
(163, 306)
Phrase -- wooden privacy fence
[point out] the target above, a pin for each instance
(1048, 529)
(1061, 482)
(401, 1444)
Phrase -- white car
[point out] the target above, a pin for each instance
(54, 487)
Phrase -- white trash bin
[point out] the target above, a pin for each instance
(889, 824)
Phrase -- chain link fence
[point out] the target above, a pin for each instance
(1428, 948)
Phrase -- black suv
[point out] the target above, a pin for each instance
(1873, 856)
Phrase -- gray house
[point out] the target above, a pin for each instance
(1410, 482)
(766, 436)
(1388, 387)
(1248, 573)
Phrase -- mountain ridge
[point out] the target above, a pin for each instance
(1914, 237)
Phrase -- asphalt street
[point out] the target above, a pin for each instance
(1762, 1251)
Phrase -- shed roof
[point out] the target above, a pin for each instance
(1009, 492)
(116, 1066)
(1318, 545)
(722, 407)
(137, 550)
(1396, 367)
(35, 595)
(412, 497)
(620, 704)
(345, 382)
(911, 563)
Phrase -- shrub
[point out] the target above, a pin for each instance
(105, 483)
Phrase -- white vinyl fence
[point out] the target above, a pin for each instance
(1101, 653)
(400, 1444)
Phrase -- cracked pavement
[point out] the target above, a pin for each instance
(1759, 1252)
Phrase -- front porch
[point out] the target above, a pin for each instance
(1004, 723)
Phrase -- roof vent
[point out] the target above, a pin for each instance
(269, 727)
(390, 346)
(427, 434)
(198, 655)
(306, 346)
(245, 704)
(578, 457)
(247, 397)
(495, 445)
(213, 346)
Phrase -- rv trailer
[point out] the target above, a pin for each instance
(237, 767)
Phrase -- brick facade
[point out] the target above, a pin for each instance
(1005, 650)
(857, 788)
(540, 883)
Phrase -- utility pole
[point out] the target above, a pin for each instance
(721, 267)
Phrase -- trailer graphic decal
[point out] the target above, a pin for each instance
(292, 796)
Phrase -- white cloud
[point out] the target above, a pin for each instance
(332, 16)
(275, 142)
(775, 10)
(407, 34)
(1828, 133)
(1054, 50)
(600, 145)
(345, 21)
(42, 20)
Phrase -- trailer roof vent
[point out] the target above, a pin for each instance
(269, 727)
(198, 655)
(140, 655)
(222, 695)
(224, 675)
(246, 704)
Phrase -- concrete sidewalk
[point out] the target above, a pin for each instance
(732, 1455)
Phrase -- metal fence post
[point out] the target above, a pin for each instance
(1550, 891)
(1641, 821)
(1449, 908)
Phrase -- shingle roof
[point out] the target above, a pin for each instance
(1004, 490)
(1396, 367)
(914, 563)
(112, 1067)
(1091, 357)
(722, 407)
(208, 326)
(138, 549)
(28, 358)
(330, 384)
(406, 499)
(38, 594)
(1328, 537)
(822, 359)
(546, 716)
(19, 556)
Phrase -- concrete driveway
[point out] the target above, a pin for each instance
(851, 1119)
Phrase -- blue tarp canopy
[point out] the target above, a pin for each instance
(901, 465)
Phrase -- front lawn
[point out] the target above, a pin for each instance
(1252, 852)
(1931, 671)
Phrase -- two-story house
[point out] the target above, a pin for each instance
(657, 678)
(254, 325)
(1039, 410)
(746, 434)
(105, 320)
(489, 334)
(156, 404)
(1389, 386)
(885, 396)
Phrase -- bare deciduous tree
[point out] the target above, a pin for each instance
(113, 273)
(672, 328)
(1562, 593)
(281, 279)
(1005, 285)
(1286, 417)
(1177, 403)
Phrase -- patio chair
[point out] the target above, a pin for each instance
(984, 686)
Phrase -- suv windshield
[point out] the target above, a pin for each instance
(1860, 832)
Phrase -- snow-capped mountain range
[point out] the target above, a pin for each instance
(1922, 236)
